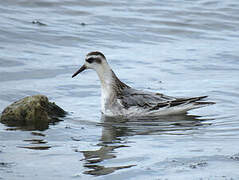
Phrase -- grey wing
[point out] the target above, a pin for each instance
(152, 101)
(131, 97)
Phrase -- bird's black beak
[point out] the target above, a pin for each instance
(79, 71)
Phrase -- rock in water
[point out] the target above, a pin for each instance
(32, 112)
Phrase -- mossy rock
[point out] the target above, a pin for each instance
(32, 112)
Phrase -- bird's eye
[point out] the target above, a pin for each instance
(90, 60)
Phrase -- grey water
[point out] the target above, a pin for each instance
(179, 48)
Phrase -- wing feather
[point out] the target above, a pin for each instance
(152, 101)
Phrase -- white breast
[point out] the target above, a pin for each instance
(106, 94)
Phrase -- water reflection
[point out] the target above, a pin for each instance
(36, 144)
(101, 170)
(30, 126)
(116, 129)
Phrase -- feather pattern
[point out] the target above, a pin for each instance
(129, 101)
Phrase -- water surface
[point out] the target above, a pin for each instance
(180, 48)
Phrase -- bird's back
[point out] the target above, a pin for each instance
(136, 102)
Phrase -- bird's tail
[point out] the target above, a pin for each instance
(196, 101)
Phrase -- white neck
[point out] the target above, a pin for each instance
(106, 80)
(105, 76)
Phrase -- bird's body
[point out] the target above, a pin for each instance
(119, 99)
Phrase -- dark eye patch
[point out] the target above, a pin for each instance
(91, 60)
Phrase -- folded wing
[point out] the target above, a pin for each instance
(154, 101)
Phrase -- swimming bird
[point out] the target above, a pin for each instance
(119, 99)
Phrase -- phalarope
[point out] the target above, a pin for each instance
(117, 98)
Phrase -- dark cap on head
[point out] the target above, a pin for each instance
(96, 53)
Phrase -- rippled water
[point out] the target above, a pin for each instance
(180, 48)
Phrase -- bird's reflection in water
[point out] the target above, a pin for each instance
(116, 130)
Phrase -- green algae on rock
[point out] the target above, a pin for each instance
(32, 112)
